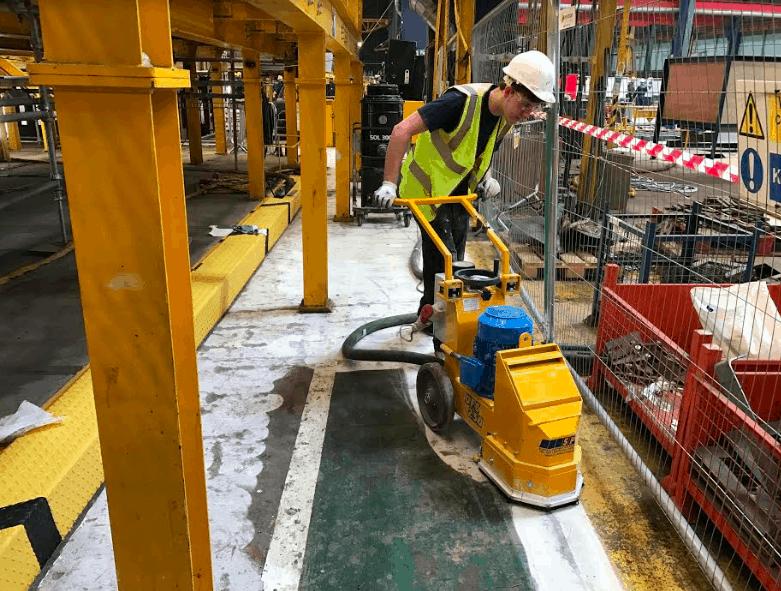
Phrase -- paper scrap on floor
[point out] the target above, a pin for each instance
(24, 420)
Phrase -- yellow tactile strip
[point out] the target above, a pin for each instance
(18, 565)
(233, 263)
(62, 462)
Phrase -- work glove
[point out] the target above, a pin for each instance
(489, 187)
(385, 195)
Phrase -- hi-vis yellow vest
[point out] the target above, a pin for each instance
(440, 161)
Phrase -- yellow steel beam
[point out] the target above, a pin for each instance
(331, 17)
(10, 68)
(135, 280)
(291, 115)
(240, 11)
(253, 113)
(603, 47)
(465, 20)
(311, 83)
(342, 101)
(247, 36)
(205, 21)
(10, 24)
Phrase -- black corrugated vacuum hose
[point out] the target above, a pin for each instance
(350, 351)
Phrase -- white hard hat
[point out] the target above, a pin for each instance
(535, 71)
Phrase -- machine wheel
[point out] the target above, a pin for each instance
(435, 396)
(359, 218)
(407, 219)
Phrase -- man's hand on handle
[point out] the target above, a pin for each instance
(489, 187)
(385, 195)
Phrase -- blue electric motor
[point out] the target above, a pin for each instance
(498, 328)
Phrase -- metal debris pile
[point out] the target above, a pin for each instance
(734, 211)
(648, 371)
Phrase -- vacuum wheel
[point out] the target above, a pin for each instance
(435, 396)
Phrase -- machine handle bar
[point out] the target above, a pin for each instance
(465, 201)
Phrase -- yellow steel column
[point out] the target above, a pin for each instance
(441, 39)
(253, 115)
(43, 135)
(314, 211)
(218, 105)
(600, 61)
(342, 102)
(194, 116)
(14, 141)
(5, 144)
(465, 20)
(291, 116)
(135, 279)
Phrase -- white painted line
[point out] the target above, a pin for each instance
(285, 558)
(563, 550)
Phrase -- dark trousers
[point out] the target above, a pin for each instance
(452, 225)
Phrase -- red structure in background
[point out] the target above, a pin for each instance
(703, 428)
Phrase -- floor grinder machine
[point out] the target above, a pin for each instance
(517, 395)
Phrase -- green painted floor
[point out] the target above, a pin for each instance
(389, 514)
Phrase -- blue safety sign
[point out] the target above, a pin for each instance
(775, 177)
(751, 170)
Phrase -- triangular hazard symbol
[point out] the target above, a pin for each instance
(750, 126)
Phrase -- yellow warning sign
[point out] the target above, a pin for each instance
(774, 116)
(750, 126)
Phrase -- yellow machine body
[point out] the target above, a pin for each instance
(529, 430)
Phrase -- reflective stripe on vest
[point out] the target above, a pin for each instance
(440, 161)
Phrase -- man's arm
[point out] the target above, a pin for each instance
(399, 141)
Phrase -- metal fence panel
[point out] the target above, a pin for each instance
(668, 257)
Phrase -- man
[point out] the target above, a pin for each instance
(458, 135)
(631, 99)
(278, 87)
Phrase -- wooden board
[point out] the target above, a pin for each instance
(570, 266)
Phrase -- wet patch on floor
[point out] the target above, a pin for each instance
(282, 431)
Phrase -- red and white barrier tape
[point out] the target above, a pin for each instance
(692, 161)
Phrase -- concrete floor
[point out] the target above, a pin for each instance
(273, 405)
